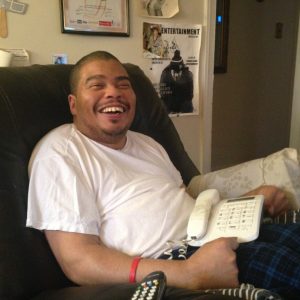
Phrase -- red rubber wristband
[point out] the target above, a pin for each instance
(133, 269)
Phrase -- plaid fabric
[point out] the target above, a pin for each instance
(271, 262)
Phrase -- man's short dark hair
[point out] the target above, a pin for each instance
(97, 55)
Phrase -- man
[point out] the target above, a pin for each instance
(106, 196)
(177, 86)
(155, 43)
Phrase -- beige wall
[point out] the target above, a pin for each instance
(295, 124)
(252, 101)
(39, 31)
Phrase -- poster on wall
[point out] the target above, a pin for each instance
(173, 51)
(158, 8)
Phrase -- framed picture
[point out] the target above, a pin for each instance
(221, 40)
(96, 17)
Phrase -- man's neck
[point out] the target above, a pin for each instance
(114, 141)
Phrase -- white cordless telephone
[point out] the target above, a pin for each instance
(212, 218)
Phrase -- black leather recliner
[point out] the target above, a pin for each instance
(33, 100)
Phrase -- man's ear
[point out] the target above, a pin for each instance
(72, 104)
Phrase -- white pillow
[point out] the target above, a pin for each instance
(280, 169)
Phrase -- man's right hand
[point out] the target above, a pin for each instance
(213, 265)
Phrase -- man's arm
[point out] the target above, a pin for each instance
(85, 260)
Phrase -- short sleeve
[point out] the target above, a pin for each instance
(60, 197)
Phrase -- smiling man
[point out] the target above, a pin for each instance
(106, 197)
(104, 121)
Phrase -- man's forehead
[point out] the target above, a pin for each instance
(99, 67)
(104, 77)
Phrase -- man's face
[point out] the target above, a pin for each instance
(104, 105)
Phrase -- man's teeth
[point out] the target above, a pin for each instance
(113, 110)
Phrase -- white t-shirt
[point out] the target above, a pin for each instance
(132, 198)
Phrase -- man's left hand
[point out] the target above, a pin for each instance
(275, 202)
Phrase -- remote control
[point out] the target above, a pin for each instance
(198, 220)
(152, 287)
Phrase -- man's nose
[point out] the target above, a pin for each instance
(113, 91)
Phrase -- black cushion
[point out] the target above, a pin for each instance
(123, 292)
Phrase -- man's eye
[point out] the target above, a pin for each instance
(124, 85)
(97, 85)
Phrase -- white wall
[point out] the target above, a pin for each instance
(39, 31)
(295, 122)
(252, 101)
